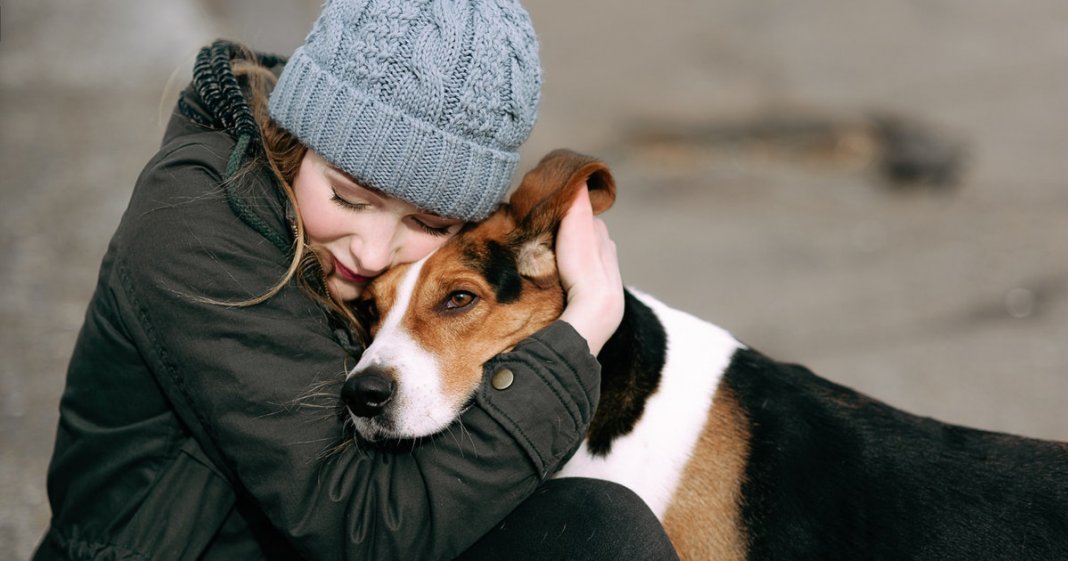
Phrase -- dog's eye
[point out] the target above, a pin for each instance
(459, 300)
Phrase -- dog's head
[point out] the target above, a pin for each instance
(435, 322)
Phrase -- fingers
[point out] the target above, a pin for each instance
(589, 271)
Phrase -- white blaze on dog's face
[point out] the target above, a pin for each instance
(396, 354)
(440, 319)
(434, 323)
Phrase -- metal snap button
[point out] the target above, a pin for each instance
(502, 379)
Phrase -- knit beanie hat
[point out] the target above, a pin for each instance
(426, 100)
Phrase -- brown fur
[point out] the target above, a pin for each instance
(704, 520)
(463, 340)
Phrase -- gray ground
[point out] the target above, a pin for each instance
(748, 179)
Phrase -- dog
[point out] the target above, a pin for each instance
(740, 456)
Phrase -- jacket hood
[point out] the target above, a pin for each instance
(215, 99)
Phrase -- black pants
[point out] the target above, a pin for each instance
(579, 519)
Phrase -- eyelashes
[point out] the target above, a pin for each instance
(343, 203)
(442, 231)
(423, 226)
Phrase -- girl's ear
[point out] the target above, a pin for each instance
(546, 192)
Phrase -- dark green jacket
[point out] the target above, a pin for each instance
(192, 430)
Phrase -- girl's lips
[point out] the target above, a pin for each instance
(348, 275)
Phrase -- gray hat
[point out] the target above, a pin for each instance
(427, 100)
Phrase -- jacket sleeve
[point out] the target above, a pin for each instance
(252, 385)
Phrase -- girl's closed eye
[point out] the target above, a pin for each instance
(422, 224)
(434, 230)
(347, 204)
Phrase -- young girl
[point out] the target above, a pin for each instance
(190, 425)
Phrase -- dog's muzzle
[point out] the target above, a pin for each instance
(367, 394)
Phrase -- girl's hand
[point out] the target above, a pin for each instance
(589, 271)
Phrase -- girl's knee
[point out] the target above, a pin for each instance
(600, 500)
(578, 518)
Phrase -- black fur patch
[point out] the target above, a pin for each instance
(835, 475)
(631, 363)
(499, 267)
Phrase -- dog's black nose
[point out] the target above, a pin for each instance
(367, 394)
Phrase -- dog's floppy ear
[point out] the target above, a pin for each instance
(542, 200)
(546, 192)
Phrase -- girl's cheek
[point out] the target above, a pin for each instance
(427, 244)
(320, 223)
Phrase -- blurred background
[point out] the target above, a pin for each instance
(877, 190)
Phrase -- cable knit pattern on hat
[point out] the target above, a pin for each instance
(427, 100)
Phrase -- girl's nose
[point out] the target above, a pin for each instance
(374, 251)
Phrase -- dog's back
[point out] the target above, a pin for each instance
(783, 464)
(833, 474)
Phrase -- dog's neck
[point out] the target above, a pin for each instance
(631, 363)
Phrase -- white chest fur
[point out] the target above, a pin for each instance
(651, 458)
